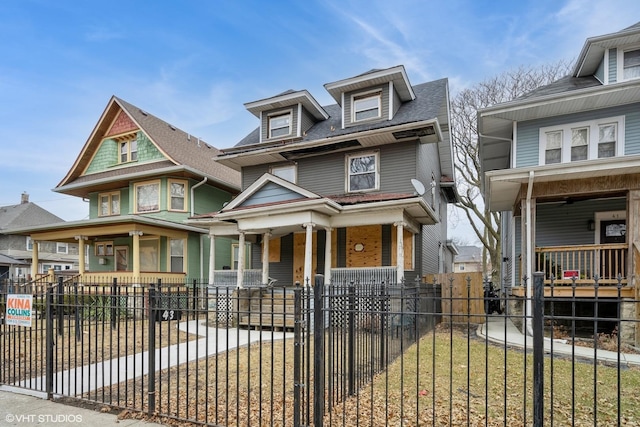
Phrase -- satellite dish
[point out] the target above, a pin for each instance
(418, 186)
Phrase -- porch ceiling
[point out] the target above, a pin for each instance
(503, 186)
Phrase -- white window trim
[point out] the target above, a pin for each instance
(288, 112)
(375, 93)
(274, 170)
(62, 245)
(135, 194)
(593, 125)
(169, 196)
(620, 62)
(109, 195)
(247, 259)
(348, 158)
(29, 244)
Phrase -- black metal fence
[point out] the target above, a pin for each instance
(334, 355)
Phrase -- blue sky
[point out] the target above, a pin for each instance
(194, 63)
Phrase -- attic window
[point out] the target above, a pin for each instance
(280, 125)
(367, 106)
(631, 67)
(128, 150)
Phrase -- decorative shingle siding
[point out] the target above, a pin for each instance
(122, 124)
(527, 151)
(105, 157)
(147, 151)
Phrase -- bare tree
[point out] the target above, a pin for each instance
(464, 107)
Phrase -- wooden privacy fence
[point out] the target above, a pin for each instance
(462, 296)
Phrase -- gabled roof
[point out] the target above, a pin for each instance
(24, 215)
(182, 152)
(594, 47)
(396, 74)
(287, 99)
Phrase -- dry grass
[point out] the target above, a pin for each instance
(446, 379)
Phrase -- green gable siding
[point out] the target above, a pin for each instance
(107, 155)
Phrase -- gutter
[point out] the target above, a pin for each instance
(529, 267)
(193, 202)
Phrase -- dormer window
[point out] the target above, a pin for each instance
(128, 150)
(631, 64)
(367, 106)
(280, 125)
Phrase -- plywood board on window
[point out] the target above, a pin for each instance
(299, 240)
(364, 246)
(274, 249)
(408, 248)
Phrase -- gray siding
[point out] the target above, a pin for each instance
(348, 107)
(527, 152)
(396, 102)
(600, 72)
(613, 65)
(307, 121)
(560, 224)
(294, 122)
(251, 173)
(271, 193)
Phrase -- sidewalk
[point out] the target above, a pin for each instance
(500, 329)
(17, 409)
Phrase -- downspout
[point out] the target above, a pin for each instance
(528, 310)
(193, 203)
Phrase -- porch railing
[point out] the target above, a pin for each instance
(584, 262)
(227, 278)
(364, 274)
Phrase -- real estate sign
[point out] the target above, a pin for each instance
(19, 310)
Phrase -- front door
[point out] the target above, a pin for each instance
(612, 228)
(122, 258)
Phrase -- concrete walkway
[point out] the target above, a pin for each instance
(501, 330)
(91, 377)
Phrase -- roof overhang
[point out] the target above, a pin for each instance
(594, 47)
(107, 183)
(396, 74)
(495, 124)
(287, 100)
(427, 131)
(67, 231)
(503, 186)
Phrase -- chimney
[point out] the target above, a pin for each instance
(24, 198)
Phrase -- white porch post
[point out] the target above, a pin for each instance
(240, 277)
(399, 251)
(136, 252)
(308, 253)
(81, 265)
(212, 258)
(265, 257)
(327, 256)
(34, 259)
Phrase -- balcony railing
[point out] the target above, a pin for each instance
(607, 262)
(342, 276)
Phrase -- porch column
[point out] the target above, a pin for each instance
(240, 272)
(136, 252)
(308, 253)
(81, 240)
(327, 255)
(399, 251)
(212, 258)
(34, 260)
(633, 272)
(265, 257)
